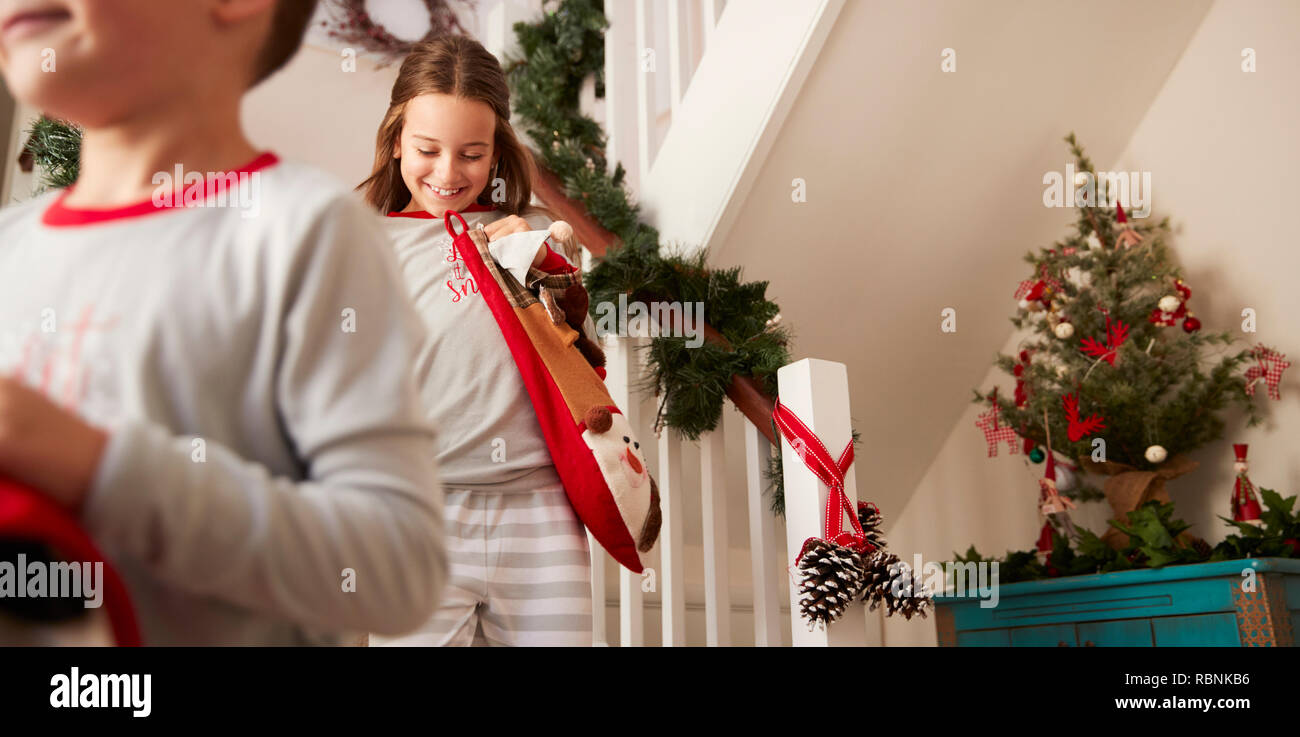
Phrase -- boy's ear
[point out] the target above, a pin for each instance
(235, 11)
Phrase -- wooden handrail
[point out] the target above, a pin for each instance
(743, 391)
(589, 233)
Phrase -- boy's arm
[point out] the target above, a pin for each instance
(371, 506)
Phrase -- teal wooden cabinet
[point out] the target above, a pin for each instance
(1204, 605)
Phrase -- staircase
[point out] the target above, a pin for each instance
(691, 146)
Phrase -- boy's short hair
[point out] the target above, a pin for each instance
(288, 26)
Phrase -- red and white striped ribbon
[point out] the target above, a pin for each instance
(814, 455)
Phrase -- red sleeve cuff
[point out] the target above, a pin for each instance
(554, 263)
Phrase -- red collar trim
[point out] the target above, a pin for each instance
(59, 215)
(423, 215)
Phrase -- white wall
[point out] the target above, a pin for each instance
(15, 186)
(315, 112)
(1221, 147)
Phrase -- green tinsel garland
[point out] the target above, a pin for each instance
(560, 51)
(55, 148)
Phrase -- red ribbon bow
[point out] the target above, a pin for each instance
(814, 455)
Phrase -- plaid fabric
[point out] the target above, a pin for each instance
(1270, 368)
(519, 295)
(993, 433)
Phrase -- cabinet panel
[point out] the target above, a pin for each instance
(1050, 635)
(1116, 633)
(1206, 630)
(984, 638)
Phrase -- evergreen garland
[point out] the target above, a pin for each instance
(559, 52)
(55, 149)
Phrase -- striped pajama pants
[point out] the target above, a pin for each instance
(520, 573)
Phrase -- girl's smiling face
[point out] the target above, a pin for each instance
(446, 151)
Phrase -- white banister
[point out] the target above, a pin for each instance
(498, 33)
(647, 64)
(631, 610)
(671, 545)
(622, 70)
(817, 392)
(680, 55)
(599, 634)
(622, 369)
(713, 500)
(762, 539)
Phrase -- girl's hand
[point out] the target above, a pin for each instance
(509, 225)
(46, 446)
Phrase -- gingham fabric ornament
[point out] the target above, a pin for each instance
(1269, 367)
(994, 432)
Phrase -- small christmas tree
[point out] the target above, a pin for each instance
(1116, 370)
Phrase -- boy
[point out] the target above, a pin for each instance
(217, 379)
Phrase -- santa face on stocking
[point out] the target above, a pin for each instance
(622, 464)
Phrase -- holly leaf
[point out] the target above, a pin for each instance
(1091, 546)
(1247, 529)
(1275, 501)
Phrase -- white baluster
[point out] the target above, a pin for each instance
(631, 612)
(818, 393)
(599, 558)
(671, 546)
(647, 64)
(762, 539)
(622, 369)
(713, 493)
(599, 601)
(680, 56)
(498, 35)
(622, 70)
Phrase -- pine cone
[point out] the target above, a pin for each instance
(882, 568)
(830, 579)
(1201, 547)
(870, 519)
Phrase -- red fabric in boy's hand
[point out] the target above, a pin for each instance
(29, 515)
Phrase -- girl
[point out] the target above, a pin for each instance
(519, 557)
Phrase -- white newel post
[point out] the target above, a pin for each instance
(818, 393)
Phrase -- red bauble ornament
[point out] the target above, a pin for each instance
(1191, 324)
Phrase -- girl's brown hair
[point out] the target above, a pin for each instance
(460, 66)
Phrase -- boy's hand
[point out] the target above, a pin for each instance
(510, 225)
(46, 446)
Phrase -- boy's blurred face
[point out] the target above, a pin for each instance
(95, 61)
(446, 151)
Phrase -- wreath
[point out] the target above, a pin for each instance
(351, 25)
